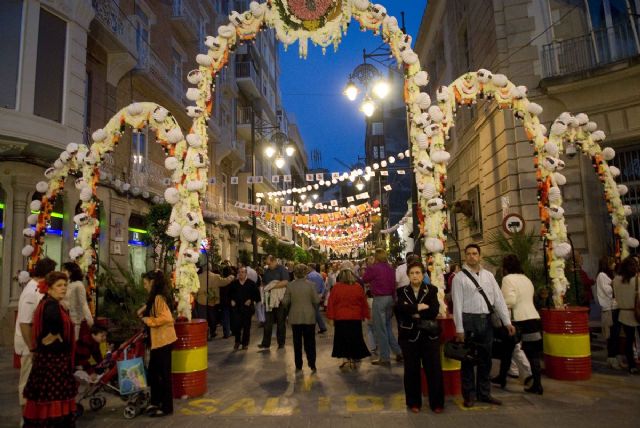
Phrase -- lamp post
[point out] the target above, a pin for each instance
(366, 74)
(280, 144)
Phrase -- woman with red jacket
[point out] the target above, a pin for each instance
(347, 308)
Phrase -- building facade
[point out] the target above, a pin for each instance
(68, 67)
(574, 56)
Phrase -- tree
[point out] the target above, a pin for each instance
(301, 255)
(525, 246)
(163, 245)
(396, 246)
(270, 245)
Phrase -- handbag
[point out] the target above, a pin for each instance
(496, 322)
(636, 306)
(465, 352)
(131, 375)
(431, 327)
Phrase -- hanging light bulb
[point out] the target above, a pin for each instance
(280, 162)
(315, 196)
(381, 89)
(368, 107)
(351, 90)
(290, 150)
(359, 185)
(270, 151)
(303, 197)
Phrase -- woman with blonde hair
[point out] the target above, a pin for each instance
(347, 308)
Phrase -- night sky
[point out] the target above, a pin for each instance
(312, 89)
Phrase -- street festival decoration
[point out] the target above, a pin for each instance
(323, 22)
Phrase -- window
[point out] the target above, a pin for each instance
(177, 64)
(225, 192)
(52, 38)
(381, 151)
(10, 30)
(138, 150)
(375, 152)
(142, 35)
(377, 128)
(202, 33)
(475, 221)
(137, 246)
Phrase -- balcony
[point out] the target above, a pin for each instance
(590, 51)
(160, 76)
(184, 20)
(248, 79)
(114, 31)
(232, 150)
(243, 122)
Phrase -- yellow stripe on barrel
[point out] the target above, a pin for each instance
(566, 345)
(189, 360)
(447, 363)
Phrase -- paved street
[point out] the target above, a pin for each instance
(261, 387)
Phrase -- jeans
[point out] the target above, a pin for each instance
(276, 316)
(630, 333)
(307, 333)
(159, 376)
(320, 320)
(382, 311)
(475, 381)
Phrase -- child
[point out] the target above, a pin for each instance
(88, 346)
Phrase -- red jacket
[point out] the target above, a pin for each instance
(347, 302)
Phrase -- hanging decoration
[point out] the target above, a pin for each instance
(567, 135)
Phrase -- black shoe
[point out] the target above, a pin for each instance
(535, 389)
(245, 347)
(499, 381)
(261, 346)
(236, 346)
(226, 336)
(528, 381)
(468, 403)
(491, 400)
(313, 369)
(322, 331)
(280, 346)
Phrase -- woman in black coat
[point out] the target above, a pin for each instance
(243, 294)
(418, 335)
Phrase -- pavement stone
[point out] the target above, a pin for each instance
(261, 387)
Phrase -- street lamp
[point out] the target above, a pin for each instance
(368, 76)
(359, 185)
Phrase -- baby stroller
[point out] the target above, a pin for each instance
(137, 399)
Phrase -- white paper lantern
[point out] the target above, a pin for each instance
(32, 219)
(135, 109)
(28, 232)
(440, 156)
(35, 205)
(500, 80)
(190, 234)
(551, 148)
(171, 163)
(23, 277)
(194, 140)
(99, 135)
(174, 229)
(85, 194)
(172, 195)
(622, 189)
(27, 250)
(42, 186)
(560, 179)
(598, 136)
(614, 170)
(554, 194)
(591, 126)
(195, 185)
(174, 135)
(190, 256)
(421, 78)
(429, 190)
(562, 250)
(627, 210)
(556, 212)
(608, 153)
(436, 114)
(632, 242)
(193, 94)
(435, 204)
(203, 60)
(534, 108)
(433, 245)
(81, 219)
(160, 114)
(76, 252)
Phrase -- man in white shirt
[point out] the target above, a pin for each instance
(22, 340)
(471, 316)
(401, 271)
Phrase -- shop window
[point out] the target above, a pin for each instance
(53, 237)
(138, 253)
(49, 85)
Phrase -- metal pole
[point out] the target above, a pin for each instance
(254, 227)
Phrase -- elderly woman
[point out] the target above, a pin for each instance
(347, 308)
(419, 334)
(51, 389)
(156, 314)
(301, 300)
(76, 298)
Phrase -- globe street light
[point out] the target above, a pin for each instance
(351, 91)
(381, 89)
(368, 107)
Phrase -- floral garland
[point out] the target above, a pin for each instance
(430, 131)
(578, 132)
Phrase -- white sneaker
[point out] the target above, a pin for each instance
(614, 363)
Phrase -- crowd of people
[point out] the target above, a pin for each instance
(360, 300)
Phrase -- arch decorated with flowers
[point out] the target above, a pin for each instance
(86, 161)
(567, 135)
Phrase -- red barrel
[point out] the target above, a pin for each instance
(189, 359)
(567, 347)
(450, 368)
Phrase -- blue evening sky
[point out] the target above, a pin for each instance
(312, 88)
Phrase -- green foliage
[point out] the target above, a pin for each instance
(161, 244)
(396, 246)
(317, 256)
(270, 245)
(525, 245)
(121, 294)
(301, 255)
(213, 254)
